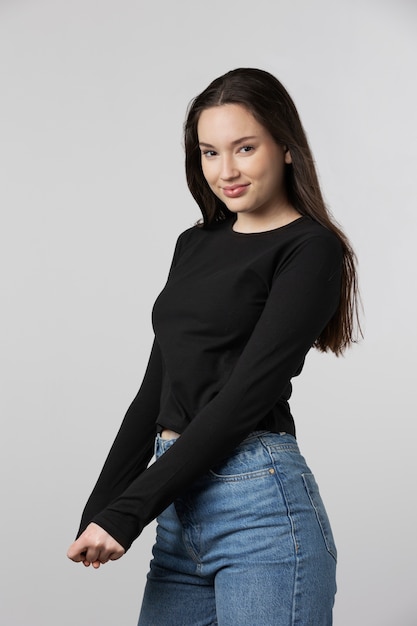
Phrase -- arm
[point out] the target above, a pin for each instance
(128, 457)
(303, 298)
(133, 446)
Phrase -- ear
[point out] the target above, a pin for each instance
(287, 155)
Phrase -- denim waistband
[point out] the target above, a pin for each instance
(256, 433)
(162, 445)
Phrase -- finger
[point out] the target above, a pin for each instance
(76, 553)
(95, 564)
(77, 558)
(92, 554)
(111, 553)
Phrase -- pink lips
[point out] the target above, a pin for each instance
(234, 191)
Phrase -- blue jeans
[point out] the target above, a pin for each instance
(249, 544)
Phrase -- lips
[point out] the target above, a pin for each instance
(234, 191)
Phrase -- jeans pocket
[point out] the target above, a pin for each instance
(317, 503)
(162, 445)
(242, 465)
(223, 474)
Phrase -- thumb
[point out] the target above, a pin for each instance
(76, 551)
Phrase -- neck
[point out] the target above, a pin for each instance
(256, 223)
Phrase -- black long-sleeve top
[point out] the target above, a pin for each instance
(232, 326)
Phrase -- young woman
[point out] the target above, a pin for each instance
(243, 538)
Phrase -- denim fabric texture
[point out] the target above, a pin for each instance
(249, 544)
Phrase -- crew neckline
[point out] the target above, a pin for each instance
(266, 232)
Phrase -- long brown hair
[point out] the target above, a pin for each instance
(271, 105)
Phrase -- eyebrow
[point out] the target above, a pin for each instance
(234, 143)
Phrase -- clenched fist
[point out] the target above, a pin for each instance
(95, 547)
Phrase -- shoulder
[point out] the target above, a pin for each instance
(316, 237)
(310, 248)
(199, 232)
(189, 233)
(185, 241)
(304, 237)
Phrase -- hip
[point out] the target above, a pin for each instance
(263, 488)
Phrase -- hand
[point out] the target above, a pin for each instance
(95, 547)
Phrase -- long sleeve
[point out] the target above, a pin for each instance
(133, 446)
(304, 295)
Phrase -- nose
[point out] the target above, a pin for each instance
(228, 171)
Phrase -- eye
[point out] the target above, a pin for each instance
(208, 153)
(246, 149)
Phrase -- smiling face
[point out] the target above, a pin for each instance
(242, 163)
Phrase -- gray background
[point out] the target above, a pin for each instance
(93, 196)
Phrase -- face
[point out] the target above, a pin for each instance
(241, 162)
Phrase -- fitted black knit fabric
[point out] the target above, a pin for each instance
(232, 326)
